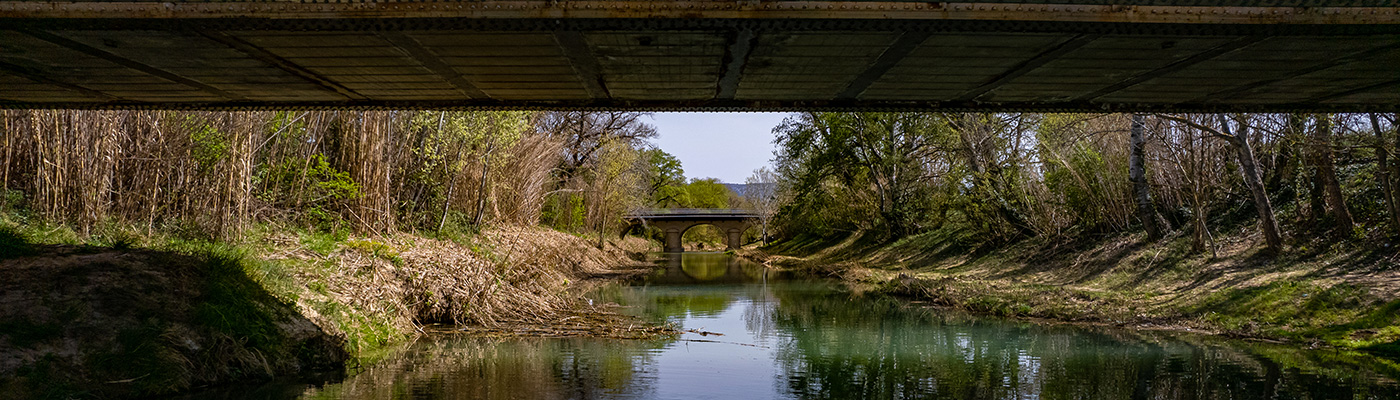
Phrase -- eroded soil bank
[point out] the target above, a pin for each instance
(1345, 295)
(122, 319)
(103, 322)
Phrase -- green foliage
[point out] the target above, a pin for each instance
(324, 242)
(665, 178)
(376, 248)
(449, 145)
(859, 170)
(11, 200)
(1082, 196)
(313, 187)
(707, 193)
(210, 145)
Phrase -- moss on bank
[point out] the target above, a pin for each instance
(1340, 294)
(140, 314)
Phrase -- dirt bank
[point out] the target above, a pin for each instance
(174, 314)
(117, 323)
(1343, 295)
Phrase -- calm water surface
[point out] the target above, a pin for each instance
(787, 337)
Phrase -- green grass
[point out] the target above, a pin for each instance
(1118, 278)
(235, 305)
(1283, 308)
(323, 242)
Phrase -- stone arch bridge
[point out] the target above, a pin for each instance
(675, 221)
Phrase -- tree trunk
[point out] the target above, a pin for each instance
(1332, 189)
(1383, 167)
(1137, 173)
(1285, 178)
(1315, 205)
(481, 191)
(1256, 185)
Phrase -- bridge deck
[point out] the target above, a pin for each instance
(705, 55)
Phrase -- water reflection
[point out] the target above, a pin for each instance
(789, 337)
(708, 268)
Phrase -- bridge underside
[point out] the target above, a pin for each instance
(702, 55)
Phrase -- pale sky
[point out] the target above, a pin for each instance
(728, 146)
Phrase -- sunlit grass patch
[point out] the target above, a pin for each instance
(1283, 308)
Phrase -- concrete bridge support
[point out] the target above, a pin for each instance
(733, 232)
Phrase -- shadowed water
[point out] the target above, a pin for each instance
(785, 337)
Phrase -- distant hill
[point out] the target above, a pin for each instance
(737, 188)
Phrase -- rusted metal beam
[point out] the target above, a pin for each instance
(905, 44)
(431, 62)
(708, 9)
(737, 105)
(584, 63)
(278, 62)
(1025, 67)
(1197, 58)
(736, 55)
(129, 63)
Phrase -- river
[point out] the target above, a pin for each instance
(773, 335)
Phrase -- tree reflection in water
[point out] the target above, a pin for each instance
(789, 337)
(486, 368)
(850, 346)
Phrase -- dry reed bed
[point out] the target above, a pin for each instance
(514, 278)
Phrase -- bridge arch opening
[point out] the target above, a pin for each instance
(709, 236)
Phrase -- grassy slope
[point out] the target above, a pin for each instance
(1346, 294)
(368, 294)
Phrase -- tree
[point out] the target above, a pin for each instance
(665, 178)
(615, 187)
(1383, 173)
(1327, 176)
(586, 132)
(761, 193)
(585, 136)
(454, 145)
(706, 193)
(1248, 167)
(879, 155)
(1137, 173)
(992, 159)
(1197, 167)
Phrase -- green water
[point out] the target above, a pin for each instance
(789, 337)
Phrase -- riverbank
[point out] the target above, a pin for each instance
(119, 313)
(1320, 293)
